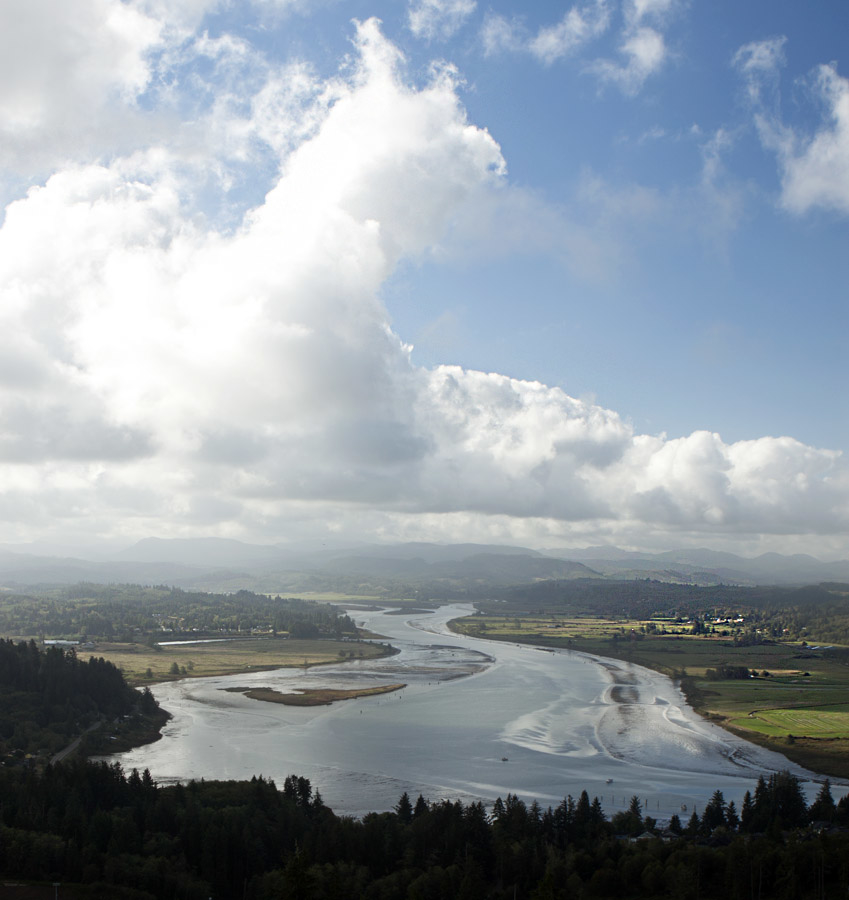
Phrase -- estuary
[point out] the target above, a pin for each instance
(476, 720)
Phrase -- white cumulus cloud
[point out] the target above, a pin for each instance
(161, 375)
(61, 66)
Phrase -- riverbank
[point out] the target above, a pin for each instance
(143, 665)
(127, 734)
(796, 705)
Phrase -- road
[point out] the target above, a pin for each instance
(58, 757)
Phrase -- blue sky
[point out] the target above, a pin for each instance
(551, 274)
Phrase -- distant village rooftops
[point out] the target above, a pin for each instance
(85, 645)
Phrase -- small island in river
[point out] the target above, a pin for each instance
(313, 696)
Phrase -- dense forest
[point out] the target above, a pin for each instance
(122, 836)
(124, 612)
(50, 697)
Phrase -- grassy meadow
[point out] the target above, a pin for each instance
(142, 664)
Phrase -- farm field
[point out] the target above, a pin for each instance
(797, 704)
(820, 723)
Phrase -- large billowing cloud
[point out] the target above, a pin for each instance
(61, 66)
(160, 375)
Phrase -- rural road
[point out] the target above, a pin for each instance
(58, 757)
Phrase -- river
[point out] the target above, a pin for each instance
(477, 720)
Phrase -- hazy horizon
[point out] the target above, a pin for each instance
(101, 550)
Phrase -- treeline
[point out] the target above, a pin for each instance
(122, 836)
(128, 612)
(47, 698)
(816, 613)
(133, 612)
(729, 673)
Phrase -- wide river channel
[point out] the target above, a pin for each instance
(477, 720)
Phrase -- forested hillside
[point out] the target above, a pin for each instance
(126, 612)
(118, 836)
(49, 697)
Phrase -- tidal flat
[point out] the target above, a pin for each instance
(796, 701)
(477, 720)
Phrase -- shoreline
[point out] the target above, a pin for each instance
(797, 754)
(670, 697)
(93, 745)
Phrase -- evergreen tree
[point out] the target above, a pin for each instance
(597, 816)
(841, 815)
(714, 814)
(582, 810)
(635, 814)
(693, 824)
(404, 809)
(732, 820)
(747, 813)
(420, 808)
(823, 809)
(788, 805)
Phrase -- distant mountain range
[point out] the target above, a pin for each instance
(709, 566)
(224, 564)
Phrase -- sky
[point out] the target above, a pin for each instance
(547, 274)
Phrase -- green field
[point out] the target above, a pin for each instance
(800, 708)
(809, 722)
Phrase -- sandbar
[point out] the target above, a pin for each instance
(313, 696)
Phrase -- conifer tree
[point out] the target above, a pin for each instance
(747, 813)
(823, 809)
(404, 809)
(693, 824)
(732, 820)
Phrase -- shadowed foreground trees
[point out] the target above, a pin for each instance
(95, 827)
(48, 697)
